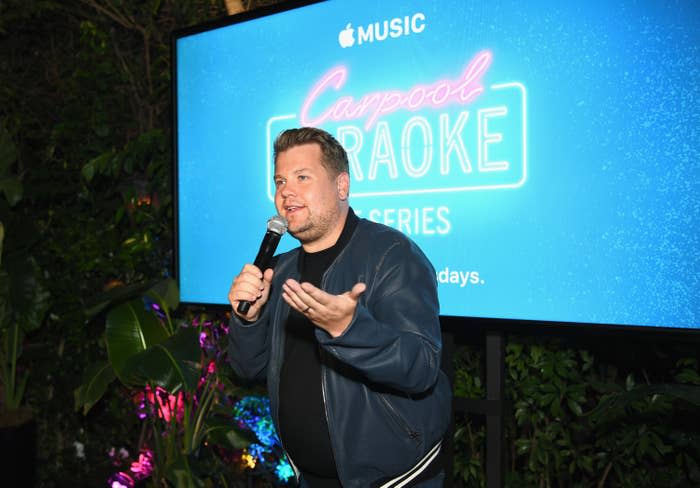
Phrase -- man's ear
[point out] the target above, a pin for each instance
(343, 185)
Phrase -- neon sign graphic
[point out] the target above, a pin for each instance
(447, 136)
(378, 104)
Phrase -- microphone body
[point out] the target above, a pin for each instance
(276, 226)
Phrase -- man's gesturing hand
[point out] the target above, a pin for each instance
(333, 313)
(251, 285)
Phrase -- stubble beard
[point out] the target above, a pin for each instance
(315, 227)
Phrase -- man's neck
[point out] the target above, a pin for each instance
(331, 237)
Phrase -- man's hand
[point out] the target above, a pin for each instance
(251, 285)
(332, 313)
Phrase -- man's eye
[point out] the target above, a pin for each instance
(279, 183)
(303, 177)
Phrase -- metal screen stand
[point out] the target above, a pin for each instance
(492, 407)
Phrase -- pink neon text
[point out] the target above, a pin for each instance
(380, 103)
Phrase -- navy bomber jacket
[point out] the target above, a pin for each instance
(387, 401)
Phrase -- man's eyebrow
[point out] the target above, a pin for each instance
(296, 171)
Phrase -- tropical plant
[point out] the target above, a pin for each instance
(24, 299)
(195, 421)
(163, 363)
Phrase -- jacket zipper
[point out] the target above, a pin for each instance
(413, 435)
(321, 352)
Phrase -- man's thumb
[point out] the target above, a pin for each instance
(357, 290)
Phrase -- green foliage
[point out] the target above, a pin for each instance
(172, 364)
(176, 374)
(84, 138)
(24, 300)
(574, 420)
(548, 398)
(10, 183)
(95, 381)
(469, 436)
(143, 349)
(131, 329)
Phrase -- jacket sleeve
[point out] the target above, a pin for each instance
(249, 346)
(394, 337)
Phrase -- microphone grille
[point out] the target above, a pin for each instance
(277, 224)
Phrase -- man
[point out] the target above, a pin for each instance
(345, 329)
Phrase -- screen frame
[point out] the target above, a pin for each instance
(475, 324)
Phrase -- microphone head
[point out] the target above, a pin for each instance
(277, 224)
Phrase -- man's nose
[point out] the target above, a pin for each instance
(287, 191)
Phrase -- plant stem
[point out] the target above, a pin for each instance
(208, 398)
(601, 483)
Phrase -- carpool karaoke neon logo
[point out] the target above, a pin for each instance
(447, 135)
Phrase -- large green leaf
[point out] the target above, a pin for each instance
(27, 298)
(223, 431)
(130, 330)
(173, 364)
(12, 188)
(115, 296)
(166, 294)
(96, 379)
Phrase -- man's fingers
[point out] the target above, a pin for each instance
(316, 294)
(293, 302)
(251, 269)
(308, 291)
(250, 284)
(297, 297)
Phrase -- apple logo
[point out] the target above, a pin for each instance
(346, 38)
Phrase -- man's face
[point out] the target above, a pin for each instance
(309, 197)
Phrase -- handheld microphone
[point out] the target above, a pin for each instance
(276, 226)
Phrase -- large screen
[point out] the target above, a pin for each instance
(545, 155)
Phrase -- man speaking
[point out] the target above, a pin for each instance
(345, 330)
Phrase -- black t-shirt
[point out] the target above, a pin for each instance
(303, 422)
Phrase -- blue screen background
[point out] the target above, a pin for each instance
(594, 221)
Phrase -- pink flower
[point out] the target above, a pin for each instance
(170, 405)
(167, 405)
(144, 466)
